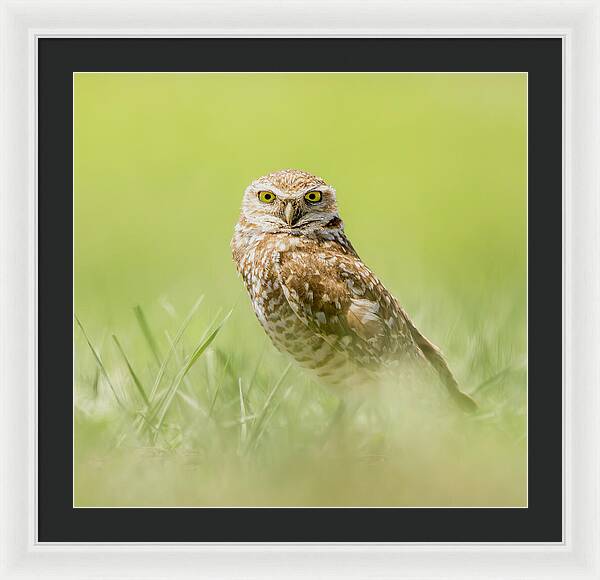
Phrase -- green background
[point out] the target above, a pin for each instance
(430, 173)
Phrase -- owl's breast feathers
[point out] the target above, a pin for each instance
(319, 293)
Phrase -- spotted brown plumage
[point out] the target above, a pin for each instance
(312, 293)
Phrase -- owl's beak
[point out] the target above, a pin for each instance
(289, 213)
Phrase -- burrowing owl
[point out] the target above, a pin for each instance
(311, 292)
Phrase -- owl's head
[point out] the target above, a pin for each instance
(289, 200)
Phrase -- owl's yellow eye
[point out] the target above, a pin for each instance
(313, 196)
(266, 196)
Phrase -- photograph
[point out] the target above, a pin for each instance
(300, 290)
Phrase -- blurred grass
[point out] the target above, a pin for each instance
(430, 171)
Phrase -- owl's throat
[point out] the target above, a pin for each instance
(248, 238)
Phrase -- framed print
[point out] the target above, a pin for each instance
(196, 410)
(298, 303)
(277, 425)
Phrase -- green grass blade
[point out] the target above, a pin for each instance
(243, 426)
(100, 364)
(145, 327)
(191, 402)
(497, 377)
(206, 342)
(258, 363)
(95, 381)
(271, 414)
(219, 385)
(189, 398)
(149, 417)
(191, 360)
(178, 336)
(178, 359)
(212, 322)
(263, 413)
(135, 378)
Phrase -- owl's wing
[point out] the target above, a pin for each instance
(337, 297)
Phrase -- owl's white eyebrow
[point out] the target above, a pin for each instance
(267, 187)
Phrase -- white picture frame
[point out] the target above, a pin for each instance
(578, 22)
